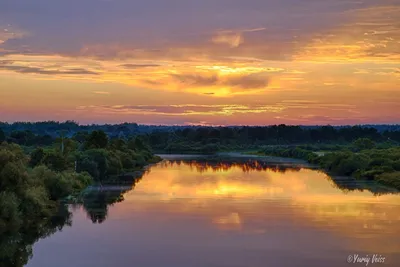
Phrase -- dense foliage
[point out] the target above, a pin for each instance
(29, 201)
(34, 185)
(210, 140)
(30, 194)
(362, 160)
(95, 154)
(198, 139)
(382, 165)
(16, 247)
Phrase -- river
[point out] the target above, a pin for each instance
(229, 213)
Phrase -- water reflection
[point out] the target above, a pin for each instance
(204, 165)
(346, 184)
(229, 213)
(198, 181)
(252, 196)
(97, 199)
(96, 204)
(16, 248)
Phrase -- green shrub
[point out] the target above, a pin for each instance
(363, 143)
(114, 163)
(13, 178)
(85, 164)
(55, 161)
(396, 165)
(127, 161)
(96, 140)
(10, 215)
(345, 163)
(35, 203)
(37, 157)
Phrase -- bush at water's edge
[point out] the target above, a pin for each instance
(381, 165)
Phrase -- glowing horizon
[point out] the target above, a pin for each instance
(259, 62)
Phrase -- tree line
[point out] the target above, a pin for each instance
(36, 180)
(312, 133)
(363, 159)
(211, 139)
(205, 139)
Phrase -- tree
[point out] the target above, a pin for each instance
(201, 134)
(226, 133)
(363, 143)
(81, 137)
(55, 161)
(29, 202)
(127, 161)
(97, 139)
(65, 145)
(138, 144)
(2, 136)
(114, 163)
(45, 140)
(328, 133)
(88, 165)
(10, 215)
(118, 144)
(16, 245)
(35, 202)
(13, 178)
(99, 169)
(37, 157)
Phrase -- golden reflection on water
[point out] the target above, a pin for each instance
(231, 221)
(253, 198)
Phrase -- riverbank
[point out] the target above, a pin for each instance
(35, 183)
(180, 207)
(380, 165)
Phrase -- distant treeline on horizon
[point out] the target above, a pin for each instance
(44, 132)
(70, 124)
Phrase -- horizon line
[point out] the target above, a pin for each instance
(199, 125)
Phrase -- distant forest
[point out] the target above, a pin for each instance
(166, 138)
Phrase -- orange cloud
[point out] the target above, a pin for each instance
(101, 92)
(183, 110)
(371, 35)
(351, 59)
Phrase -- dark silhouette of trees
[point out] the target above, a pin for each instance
(35, 181)
(201, 139)
(37, 157)
(96, 139)
(2, 136)
(363, 143)
(16, 247)
(80, 136)
(28, 202)
(44, 133)
(55, 161)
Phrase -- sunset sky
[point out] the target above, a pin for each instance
(210, 62)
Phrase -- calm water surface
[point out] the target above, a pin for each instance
(199, 213)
